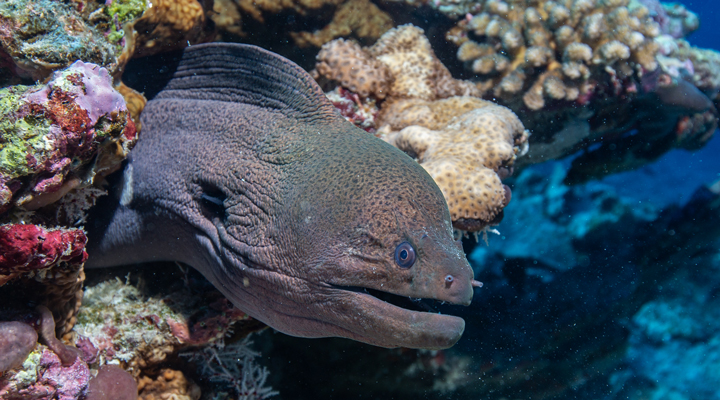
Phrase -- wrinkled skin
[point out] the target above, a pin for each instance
(245, 171)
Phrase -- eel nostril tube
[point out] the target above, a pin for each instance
(449, 279)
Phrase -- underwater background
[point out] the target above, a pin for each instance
(601, 276)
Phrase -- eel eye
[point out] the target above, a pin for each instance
(404, 255)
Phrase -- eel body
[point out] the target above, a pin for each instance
(245, 171)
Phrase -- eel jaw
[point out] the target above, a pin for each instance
(380, 323)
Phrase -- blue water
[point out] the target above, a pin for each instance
(709, 13)
(676, 175)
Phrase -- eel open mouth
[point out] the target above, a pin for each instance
(391, 320)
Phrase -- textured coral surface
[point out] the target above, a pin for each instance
(401, 64)
(40, 36)
(583, 73)
(51, 133)
(466, 144)
(541, 51)
(140, 331)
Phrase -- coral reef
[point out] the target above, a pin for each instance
(168, 384)
(40, 36)
(26, 248)
(43, 376)
(46, 264)
(360, 19)
(674, 19)
(597, 71)
(360, 111)
(401, 64)
(57, 371)
(538, 52)
(105, 33)
(56, 137)
(170, 25)
(466, 144)
(125, 326)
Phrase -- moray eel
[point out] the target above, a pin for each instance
(246, 172)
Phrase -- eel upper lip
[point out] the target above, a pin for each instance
(405, 302)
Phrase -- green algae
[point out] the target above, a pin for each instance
(45, 35)
(124, 11)
(28, 374)
(20, 136)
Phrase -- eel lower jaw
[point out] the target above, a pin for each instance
(395, 325)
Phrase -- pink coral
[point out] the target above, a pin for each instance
(52, 133)
(29, 247)
(51, 380)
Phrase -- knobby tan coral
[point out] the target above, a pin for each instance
(548, 50)
(169, 384)
(169, 25)
(360, 18)
(400, 65)
(466, 144)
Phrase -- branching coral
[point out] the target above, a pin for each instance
(591, 72)
(400, 65)
(467, 145)
(540, 51)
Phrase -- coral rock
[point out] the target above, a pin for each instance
(40, 36)
(112, 383)
(17, 340)
(400, 65)
(45, 266)
(125, 326)
(51, 133)
(24, 248)
(464, 143)
(361, 18)
(42, 376)
(168, 384)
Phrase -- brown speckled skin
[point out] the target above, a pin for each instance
(312, 205)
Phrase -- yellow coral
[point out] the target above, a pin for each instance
(463, 143)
